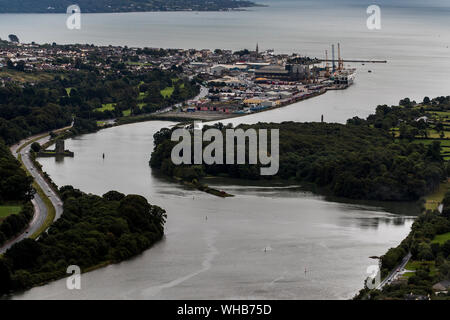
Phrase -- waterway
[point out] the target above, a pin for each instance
(255, 245)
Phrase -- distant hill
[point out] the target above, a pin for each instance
(99, 6)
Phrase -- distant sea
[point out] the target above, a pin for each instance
(414, 39)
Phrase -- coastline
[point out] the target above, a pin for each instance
(104, 264)
(184, 117)
(244, 8)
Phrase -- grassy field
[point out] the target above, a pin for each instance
(407, 275)
(25, 76)
(433, 134)
(441, 114)
(141, 95)
(415, 265)
(8, 210)
(441, 238)
(167, 92)
(434, 199)
(106, 106)
(445, 145)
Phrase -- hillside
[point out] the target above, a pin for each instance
(103, 6)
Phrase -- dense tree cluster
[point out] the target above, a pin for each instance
(89, 92)
(33, 108)
(14, 224)
(29, 110)
(349, 160)
(139, 93)
(92, 230)
(409, 117)
(15, 185)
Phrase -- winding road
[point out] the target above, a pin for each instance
(393, 275)
(40, 209)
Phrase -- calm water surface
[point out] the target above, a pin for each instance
(223, 256)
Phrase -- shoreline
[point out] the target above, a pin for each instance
(183, 117)
(224, 9)
(151, 117)
(103, 264)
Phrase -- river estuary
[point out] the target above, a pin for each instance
(268, 242)
(255, 245)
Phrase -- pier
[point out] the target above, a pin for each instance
(356, 61)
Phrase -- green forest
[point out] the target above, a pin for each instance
(15, 185)
(92, 231)
(16, 189)
(100, 6)
(31, 108)
(353, 161)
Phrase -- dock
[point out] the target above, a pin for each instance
(356, 61)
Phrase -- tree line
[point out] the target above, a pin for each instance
(93, 230)
(15, 187)
(32, 108)
(352, 161)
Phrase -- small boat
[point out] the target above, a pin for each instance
(370, 71)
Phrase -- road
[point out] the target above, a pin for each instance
(40, 209)
(204, 91)
(395, 272)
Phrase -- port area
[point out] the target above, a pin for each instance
(263, 81)
(265, 94)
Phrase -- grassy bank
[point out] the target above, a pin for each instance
(8, 210)
(433, 200)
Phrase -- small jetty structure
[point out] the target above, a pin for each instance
(58, 152)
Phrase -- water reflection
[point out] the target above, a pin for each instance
(331, 237)
(375, 222)
(59, 158)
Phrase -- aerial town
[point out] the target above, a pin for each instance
(233, 83)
